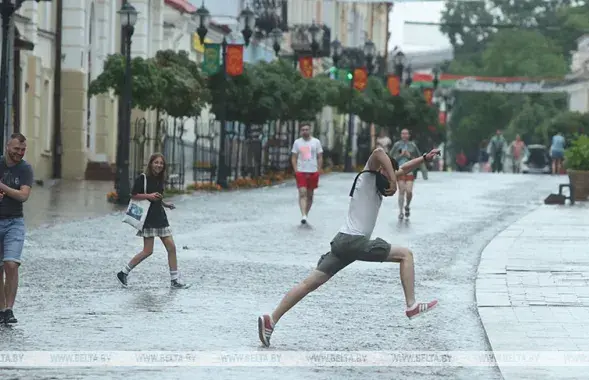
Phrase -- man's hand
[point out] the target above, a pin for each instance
(392, 189)
(171, 206)
(154, 196)
(430, 156)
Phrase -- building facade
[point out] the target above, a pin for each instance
(30, 83)
(579, 91)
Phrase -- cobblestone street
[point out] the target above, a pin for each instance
(243, 251)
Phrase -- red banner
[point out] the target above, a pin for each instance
(306, 65)
(442, 118)
(360, 79)
(394, 85)
(428, 94)
(234, 63)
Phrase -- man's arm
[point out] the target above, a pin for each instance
(379, 159)
(409, 166)
(21, 195)
(294, 157)
(319, 155)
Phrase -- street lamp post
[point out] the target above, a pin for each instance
(369, 53)
(247, 22)
(128, 17)
(448, 99)
(276, 36)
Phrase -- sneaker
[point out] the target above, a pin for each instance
(265, 329)
(122, 276)
(177, 284)
(9, 316)
(420, 309)
(401, 216)
(2, 316)
(407, 211)
(304, 220)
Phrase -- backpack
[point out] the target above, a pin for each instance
(382, 183)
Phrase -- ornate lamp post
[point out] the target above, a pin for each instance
(128, 17)
(247, 22)
(448, 101)
(355, 58)
(276, 36)
(369, 53)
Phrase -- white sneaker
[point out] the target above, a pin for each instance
(304, 219)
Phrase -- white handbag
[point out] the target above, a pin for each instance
(137, 210)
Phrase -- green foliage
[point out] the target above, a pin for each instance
(170, 82)
(183, 90)
(145, 81)
(577, 156)
(540, 47)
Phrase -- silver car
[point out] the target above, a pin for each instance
(537, 161)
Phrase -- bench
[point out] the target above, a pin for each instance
(560, 198)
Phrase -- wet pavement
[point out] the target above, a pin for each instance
(533, 290)
(243, 251)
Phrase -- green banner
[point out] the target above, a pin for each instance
(212, 59)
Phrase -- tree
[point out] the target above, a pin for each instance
(146, 81)
(183, 90)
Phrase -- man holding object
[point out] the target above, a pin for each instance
(353, 241)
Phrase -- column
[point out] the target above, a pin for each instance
(157, 22)
(74, 89)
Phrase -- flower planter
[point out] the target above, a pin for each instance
(580, 181)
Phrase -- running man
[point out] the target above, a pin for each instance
(402, 152)
(307, 161)
(353, 242)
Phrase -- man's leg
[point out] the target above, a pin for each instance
(409, 197)
(2, 297)
(303, 203)
(401, 197)
(328, 265)
(13, 245)
(312, 184)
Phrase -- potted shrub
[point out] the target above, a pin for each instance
(577, 164)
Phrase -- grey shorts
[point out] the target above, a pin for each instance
(345, 249)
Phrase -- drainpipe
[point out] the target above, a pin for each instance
(7, 130)
(57, 147)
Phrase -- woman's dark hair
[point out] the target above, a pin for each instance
(149, 171)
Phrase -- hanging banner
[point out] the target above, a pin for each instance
(394, 85)
(212, 59)
(360, 79)
(516, 85)
(306, 65)
(234, 64)
(428, 94)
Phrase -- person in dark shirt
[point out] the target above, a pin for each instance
(156, 223)
(15, 188)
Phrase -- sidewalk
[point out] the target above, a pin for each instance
(532, 288)
(67, 200)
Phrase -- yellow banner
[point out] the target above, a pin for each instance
(196, 45)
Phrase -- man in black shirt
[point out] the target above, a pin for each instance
(15, 187)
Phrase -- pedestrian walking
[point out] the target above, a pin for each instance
(496, 147)
(517, 150)
(15, 188)
(353, 240)
(307, 161)
(403, 151)
(384, 141)
(557, 152)
(150, 185)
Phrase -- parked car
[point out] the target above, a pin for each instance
(537, 161)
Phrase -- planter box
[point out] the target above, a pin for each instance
(580, 181)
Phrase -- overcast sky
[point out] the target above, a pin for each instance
(417, 37)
